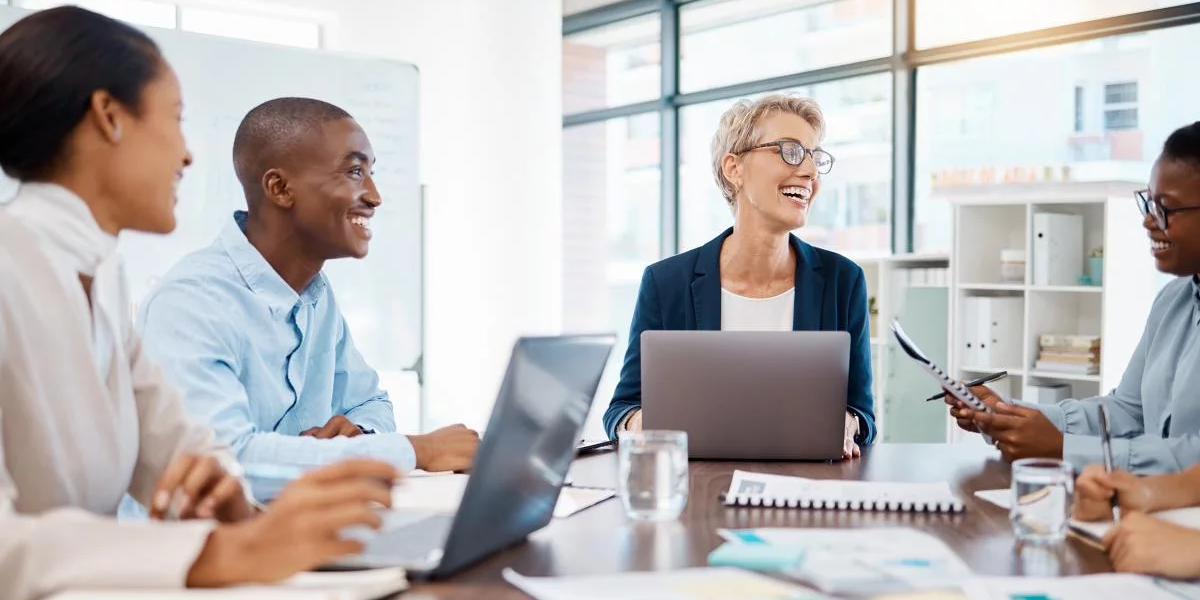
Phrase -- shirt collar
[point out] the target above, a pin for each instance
(64, 220)
(259, 275)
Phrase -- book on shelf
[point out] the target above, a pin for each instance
(1060, 341)
(1067, 368)
(1067, 353)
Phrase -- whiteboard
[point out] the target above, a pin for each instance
(222, 80)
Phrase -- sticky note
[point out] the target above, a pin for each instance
(755, 556)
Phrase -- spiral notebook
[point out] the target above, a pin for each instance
(779, 491)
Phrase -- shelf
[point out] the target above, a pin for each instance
(1081, 289)
(1011, 372)
(1064, 376)
(992, 287)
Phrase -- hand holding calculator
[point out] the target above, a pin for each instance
(954, 386)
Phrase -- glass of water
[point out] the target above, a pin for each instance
(653, 474)
(1042, 490)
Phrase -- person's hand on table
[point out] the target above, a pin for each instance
(850, 449)
(447, 449)
(634, 422)
(337, 426)
(1145, 544)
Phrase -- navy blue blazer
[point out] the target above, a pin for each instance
(684, 293)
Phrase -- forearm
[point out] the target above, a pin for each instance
(69, 548)
(376, 414)
(306, 452)
(1174, 490)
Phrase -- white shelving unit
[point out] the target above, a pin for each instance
(900, 413)
(1115, 311)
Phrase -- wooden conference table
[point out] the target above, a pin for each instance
(601, 540)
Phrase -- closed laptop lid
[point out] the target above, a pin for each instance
(762, 395)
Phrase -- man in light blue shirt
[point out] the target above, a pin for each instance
(249, 328)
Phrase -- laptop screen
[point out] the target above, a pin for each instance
(528, 445)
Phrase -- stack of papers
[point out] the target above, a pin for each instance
(863, 561)
(356, 585)
(714, 583)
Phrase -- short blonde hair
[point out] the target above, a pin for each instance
(738, 129)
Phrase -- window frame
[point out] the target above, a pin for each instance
(904, 63)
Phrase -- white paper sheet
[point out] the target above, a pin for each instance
(1090, 587)
(442, 493)
(349, 585)
(709, 583)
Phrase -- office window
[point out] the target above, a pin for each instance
(942, 22)
(852, 212)
(611, 226)
(138, 12)
(1120, 93)
(271, 30)
(611, 66)
(1123, 118)
(1078, 108)
(1120, 106)
(725, 42)
(1025, 136)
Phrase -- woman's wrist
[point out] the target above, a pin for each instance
(1165, 492)
(219, 561)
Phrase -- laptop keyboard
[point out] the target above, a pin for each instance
(412, 542)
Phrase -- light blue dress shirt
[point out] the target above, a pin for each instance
(1154, 414)
(261, 363)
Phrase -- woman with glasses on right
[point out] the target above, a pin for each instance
(1154, 415)
(757, 276)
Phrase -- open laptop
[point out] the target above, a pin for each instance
(519, 467)
(748, 395)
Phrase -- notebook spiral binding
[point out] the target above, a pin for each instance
(757, 501)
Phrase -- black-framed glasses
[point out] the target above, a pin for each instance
(793, 153)
(1153, 207)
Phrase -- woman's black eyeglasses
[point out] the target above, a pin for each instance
(1153, 207)
(793, 153)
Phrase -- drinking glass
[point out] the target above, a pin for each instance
(1042, 489)
(653, 474)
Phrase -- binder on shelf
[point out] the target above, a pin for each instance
(970, 338)
(999, 326)
(1057, 248)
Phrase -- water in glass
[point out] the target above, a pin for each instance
(1042, 492)
(653, 478)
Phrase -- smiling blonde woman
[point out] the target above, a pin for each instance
(757, 276)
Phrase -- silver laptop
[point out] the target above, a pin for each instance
(519, 468)
(748, 395)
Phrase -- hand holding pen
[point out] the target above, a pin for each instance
(970, 384)
(1106, 447)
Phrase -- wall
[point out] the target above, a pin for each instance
(491, 157)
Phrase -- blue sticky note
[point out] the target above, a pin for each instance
(755, 556)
